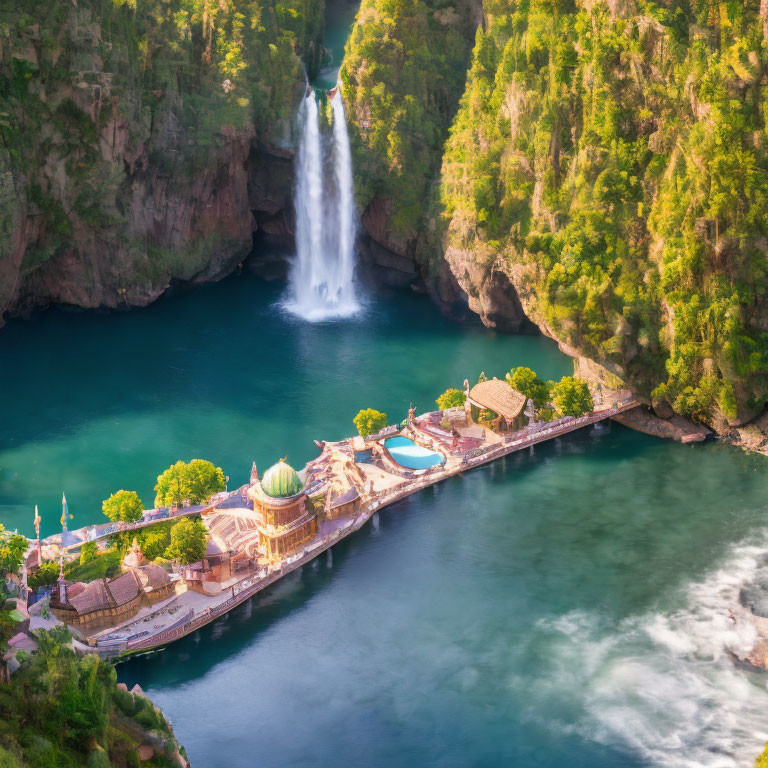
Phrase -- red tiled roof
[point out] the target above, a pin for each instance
(124, 588)
(73, 590)
(93, 597)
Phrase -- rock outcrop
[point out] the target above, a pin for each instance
(142, 148)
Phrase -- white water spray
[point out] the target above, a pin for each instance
(322, 276)
(662, 684)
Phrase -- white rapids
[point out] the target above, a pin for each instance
(663, 684)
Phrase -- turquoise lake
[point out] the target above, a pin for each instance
(561, 607)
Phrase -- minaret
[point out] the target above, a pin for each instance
(411, 414)
(64, 516)
(62, 584)
(37, 534)
(254, 473)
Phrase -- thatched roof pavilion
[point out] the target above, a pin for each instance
(499, 397)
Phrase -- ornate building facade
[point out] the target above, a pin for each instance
(284, 522)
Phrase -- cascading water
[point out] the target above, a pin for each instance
(322, 276)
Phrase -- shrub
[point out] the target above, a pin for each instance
(369, 421)
(195, 482)
(451, 398)
(188, 541)
(46, 574)
(123, 506)
(571, 396)
(527, 382)
(88, 552)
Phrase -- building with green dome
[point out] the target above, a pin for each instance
(281, 481)
(284, 523)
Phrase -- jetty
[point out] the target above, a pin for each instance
(275, 524)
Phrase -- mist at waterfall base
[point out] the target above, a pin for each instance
(322, 277)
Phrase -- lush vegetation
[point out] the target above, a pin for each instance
(123, 506)
(614, 161)
(195, 482)
(88, 552)
(762, 760)
(571, 397)
(403, 68)
(43, 576)
(528, 383)
(189, 539)
(12, 549)
(369, 421)
(105, 565)
(451, 398)
(63, 710)
(109, 91)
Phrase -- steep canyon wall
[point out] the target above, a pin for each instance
(143, 143)
(597, 169)
(605, 172)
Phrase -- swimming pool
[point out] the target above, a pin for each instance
(407, 454)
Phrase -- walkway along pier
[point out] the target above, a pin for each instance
(350, 481)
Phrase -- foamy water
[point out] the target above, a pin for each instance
(322, 280)
(663, 684)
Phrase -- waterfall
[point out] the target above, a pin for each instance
(346, 199)
(322, 275)
(306, 277)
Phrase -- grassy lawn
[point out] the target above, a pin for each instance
(106, 565)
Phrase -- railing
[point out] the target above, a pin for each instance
(256, 582)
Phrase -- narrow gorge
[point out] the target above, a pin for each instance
(591, 170)
(228, 226)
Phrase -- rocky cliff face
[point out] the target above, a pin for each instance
(604, 173)
(143, 146)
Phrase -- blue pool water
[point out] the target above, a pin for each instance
(406, 453)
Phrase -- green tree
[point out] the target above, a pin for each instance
(451, 398)
(195, 482)
(189, 539)
(527, 382)
(125, 506)
(204, 479)
(572, 397)
(89, 551)
(154, 541)
(172, 487)
(45, 574)
(12, 549)
(369, 421)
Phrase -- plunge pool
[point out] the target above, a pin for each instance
(410, 455)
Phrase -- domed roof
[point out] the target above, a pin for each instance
(281, 481)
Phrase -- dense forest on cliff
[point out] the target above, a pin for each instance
(611, 157)
(124, 130)
(404, 68)
(64, 710)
